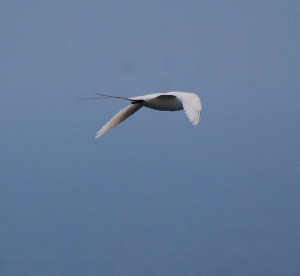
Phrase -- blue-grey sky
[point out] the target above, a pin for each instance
(156, 195)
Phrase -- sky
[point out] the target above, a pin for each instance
(156, 195)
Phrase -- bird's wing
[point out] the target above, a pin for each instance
(192, 106)
(119, 118)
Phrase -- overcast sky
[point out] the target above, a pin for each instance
(156, 195)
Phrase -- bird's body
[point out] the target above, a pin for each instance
(171, 101)
(162, 102)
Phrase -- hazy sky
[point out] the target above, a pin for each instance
(156, 195)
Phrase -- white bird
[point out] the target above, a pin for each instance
(171, 101)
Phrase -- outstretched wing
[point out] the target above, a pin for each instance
(119, 118)
(192, 106)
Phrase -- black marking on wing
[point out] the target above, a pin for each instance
(137, 101)
(166, 96)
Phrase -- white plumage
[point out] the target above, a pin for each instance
(171, 101)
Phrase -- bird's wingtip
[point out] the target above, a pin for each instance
(98, 135)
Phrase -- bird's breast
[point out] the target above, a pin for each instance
(164, 103)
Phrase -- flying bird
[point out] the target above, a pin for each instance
(171, 101)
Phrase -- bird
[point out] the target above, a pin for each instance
(170, 101)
